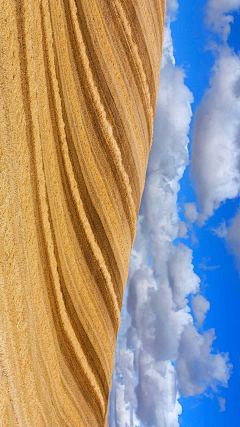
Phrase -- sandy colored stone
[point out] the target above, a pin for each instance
(78, 91)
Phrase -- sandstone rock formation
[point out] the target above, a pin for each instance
(78, 86)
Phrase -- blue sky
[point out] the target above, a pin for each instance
(222, 285)
(199, 258)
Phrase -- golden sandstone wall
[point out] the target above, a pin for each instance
(78, 85)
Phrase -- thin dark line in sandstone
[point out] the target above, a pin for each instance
(92, 214)
(90, 256)
(123, 36)
(95, 63)
(98, 370)
(77, 325)
(86, 147)
(26, 101)
(84, 244)
(124, 187)
(105, 94)
(29, 124)
(105, 127)
(121, 47)
(139, 39)
(28, 119)
(160, 17)
(42, 242)
(56, 138)
(44, 199)
(78, 374)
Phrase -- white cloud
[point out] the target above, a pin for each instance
(168, 158)
(156, 393)
(156, 325)
(171, 9)
(221, 230)
(183, 280)
(197, 367)
(218, 15)
(191, 213)
(123, 417)
(182, 230)
(216, 142)
(222, 404)
(200, 307)
(157, 293)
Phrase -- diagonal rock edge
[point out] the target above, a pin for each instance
(78, 85)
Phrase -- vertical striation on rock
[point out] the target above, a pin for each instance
(78, 87)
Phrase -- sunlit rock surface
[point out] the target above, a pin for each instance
(78, 85)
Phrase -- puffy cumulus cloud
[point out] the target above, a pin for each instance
(218, 17)
(172, 119)
(182, 230)
(167, 160)
(140, 252)
(126, 369)
(183, 281)
(156, 324)
(159, 334)
(123, 401)
(216, 143)
(200, 307)
(197, 367)
(156, 293)
(123, 417)
(157, 393)
(190, 213)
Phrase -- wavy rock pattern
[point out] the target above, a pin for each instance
(79, 83)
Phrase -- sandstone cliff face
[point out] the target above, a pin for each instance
(78, 83)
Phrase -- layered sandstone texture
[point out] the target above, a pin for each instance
(78, 84)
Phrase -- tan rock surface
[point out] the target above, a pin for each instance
(78, 86)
